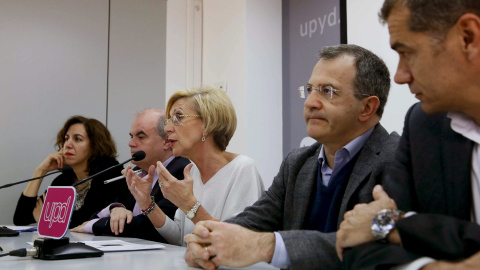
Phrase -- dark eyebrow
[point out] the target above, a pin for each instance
(141, 132)
(74, 135)
(321, 85)
(138, 133)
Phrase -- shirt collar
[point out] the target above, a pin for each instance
(465, 125)
(351, 148)
(165, 164)
(144, 174)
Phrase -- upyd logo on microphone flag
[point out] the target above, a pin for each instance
(57, 212)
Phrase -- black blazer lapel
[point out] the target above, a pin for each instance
(457, 164)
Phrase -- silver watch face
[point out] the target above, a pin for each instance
(384, 219)
(191, 213)
(382, 224)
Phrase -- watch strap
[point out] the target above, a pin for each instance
(192, 212)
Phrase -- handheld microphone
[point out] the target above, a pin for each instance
(137, 156)
(62, 170)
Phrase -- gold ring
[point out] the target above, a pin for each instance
(206, 248)
(160, 183)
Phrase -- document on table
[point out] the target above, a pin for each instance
(23, 228)
(120, 245)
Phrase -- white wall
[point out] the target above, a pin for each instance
(176, 57)
(264, 86)
(184, 45)
(364, 29)
(242, 46)
(136, 65)
(55, 63)
(224, 57)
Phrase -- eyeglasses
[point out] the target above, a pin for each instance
(324, 91)
(177, 117)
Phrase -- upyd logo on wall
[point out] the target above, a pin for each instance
(310, 27)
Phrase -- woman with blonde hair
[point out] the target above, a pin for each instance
(219, 184)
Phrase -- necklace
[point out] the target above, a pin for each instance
(81, 194)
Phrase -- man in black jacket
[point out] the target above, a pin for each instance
(437, 168)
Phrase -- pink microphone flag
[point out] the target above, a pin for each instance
(57, 212)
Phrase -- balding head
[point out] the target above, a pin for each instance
(147, 134)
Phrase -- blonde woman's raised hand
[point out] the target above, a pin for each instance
(178, 192)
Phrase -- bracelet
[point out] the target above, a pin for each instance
(150, 207)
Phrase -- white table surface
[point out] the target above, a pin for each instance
(169, 258)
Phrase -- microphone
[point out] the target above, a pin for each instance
(62, 170)
(137, 156)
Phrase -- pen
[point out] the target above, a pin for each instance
(137, 172)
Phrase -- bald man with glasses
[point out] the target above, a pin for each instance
(293, 224)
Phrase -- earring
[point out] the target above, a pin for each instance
(203, 138)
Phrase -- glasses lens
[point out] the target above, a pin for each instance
(308, 89)
(326, 92)
(176, 118)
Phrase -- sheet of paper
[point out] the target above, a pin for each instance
(120, 245)
(23, 228)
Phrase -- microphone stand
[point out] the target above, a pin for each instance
(137, 157)
(95, 175)
(60, 249)
(28, 180)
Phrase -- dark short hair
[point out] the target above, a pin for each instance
(432, 16)
(372, 77)
(101, 141)
(161, 126)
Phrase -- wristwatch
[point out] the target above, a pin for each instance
(191, 213)
(384, 222)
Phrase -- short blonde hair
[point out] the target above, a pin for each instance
(215, 108)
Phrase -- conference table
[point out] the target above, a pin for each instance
(171, 257)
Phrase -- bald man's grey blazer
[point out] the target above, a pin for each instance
(286, 205)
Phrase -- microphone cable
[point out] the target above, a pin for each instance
(21, 252)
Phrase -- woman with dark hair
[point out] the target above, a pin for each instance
(86, 145)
